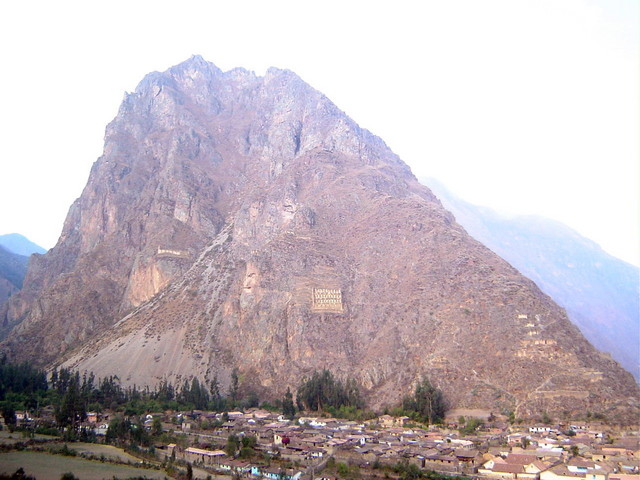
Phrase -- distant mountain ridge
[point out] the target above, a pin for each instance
(15, 250)
(601, 293)
(19, 244)
(13, 268)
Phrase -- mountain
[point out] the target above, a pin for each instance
(15, 250)
(601, 293)
(19, 244)
(244, 223)
(12, 271)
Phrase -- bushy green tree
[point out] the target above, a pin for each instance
(324, 390)
(194, 393)
(288, 408)
(427, 402)
(8, 413)
(119, 430)
(156, 427)
(72, 409)
(472, 425)
(233, 444)
(235, 386)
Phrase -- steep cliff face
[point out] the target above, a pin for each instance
(244, 222)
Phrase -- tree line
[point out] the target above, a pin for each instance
(324, 392)
(23, 387)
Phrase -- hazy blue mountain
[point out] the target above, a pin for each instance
(600, 293)
(13, 267)
(12, 271)
(19, 244)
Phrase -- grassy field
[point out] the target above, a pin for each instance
(17, 437)
(108, 451)
(44, 466)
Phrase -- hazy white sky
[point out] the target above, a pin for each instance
(524, 106)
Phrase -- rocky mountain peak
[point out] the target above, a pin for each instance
(245, 222)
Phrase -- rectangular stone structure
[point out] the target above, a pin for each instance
(326, 300)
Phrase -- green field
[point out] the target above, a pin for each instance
(17, 437)
(44, 466)
(109, 452)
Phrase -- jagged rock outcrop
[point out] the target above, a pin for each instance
(237, 221)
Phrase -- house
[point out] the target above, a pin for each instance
(514, 466)
(22, 417)
(533, 470)
(562, 472)
(612, 449)
(446, 463)
(468, 458)
(101, 430)
(576, 468)
(312, 421)
(492, 461)
(521, 458)
(236, 466)
(316, 453)
(202, 456)
(92, 417)
(278, 474)
(388, 421)
(550, 454)
(517, 438)
(503, 470)
(540, 429)
(623, 476)
(600, 456)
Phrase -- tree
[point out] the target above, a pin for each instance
(165, 392)
(216, 397)
(288, 408)
(250, 400)
(119, 429)
(427, 402)
(19, 474)
(249, 441)
(156, 427)
(323, 390)
(72, 408)
(9, 414)
(233, 444)
(234, 387)
(472, 425)
(411, 472)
